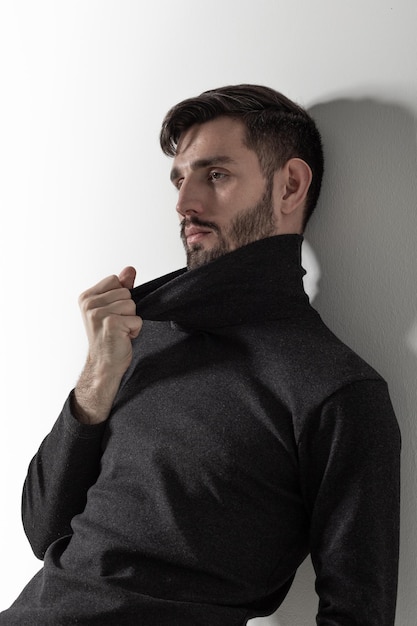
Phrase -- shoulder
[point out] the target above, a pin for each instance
(306, 361)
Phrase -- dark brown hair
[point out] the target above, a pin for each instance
(277, 129)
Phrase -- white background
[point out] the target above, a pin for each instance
(84, 191)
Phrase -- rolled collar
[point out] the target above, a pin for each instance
(257, 282)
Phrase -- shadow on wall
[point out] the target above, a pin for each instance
(364, 238)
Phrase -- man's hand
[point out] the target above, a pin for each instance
(110, 319)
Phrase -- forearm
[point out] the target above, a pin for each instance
(59, 476)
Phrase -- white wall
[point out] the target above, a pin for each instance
(84, 191)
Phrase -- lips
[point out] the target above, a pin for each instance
(195, 234)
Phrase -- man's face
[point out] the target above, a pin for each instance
(224, 201)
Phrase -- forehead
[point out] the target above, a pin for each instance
(223, 135)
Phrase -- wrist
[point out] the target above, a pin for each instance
(94, 394)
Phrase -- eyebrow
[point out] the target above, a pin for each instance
(201, 164)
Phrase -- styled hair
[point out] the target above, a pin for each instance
(277, 129)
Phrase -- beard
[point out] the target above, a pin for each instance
(251, 224)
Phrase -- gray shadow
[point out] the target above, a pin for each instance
(363, 237)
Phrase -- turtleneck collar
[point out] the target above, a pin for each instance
(257, 282)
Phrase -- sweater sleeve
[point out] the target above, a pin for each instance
(66, 465)
(350, 465)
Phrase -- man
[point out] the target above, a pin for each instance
(219, 431)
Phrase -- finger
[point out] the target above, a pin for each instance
(115, 310)
(90, 301)
(136, 324)
(105, 285)
(127, 277)
(121, 326)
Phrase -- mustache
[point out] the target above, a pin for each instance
(195, 221)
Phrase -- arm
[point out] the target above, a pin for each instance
(350, 458)
(67, 463)
(59, 476)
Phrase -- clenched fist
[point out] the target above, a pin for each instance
(110, 319)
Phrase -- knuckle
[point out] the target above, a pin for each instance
(82, 299)
(94, 315)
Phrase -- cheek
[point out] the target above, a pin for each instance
(237, 203)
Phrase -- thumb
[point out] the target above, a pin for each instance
(127, 277)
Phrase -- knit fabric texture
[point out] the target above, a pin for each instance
(244, 436)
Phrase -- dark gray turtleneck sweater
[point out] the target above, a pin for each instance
(244, 436)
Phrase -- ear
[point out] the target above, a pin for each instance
(291, 185)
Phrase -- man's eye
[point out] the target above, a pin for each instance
(216, 175)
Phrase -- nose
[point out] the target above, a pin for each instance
(189, 199)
